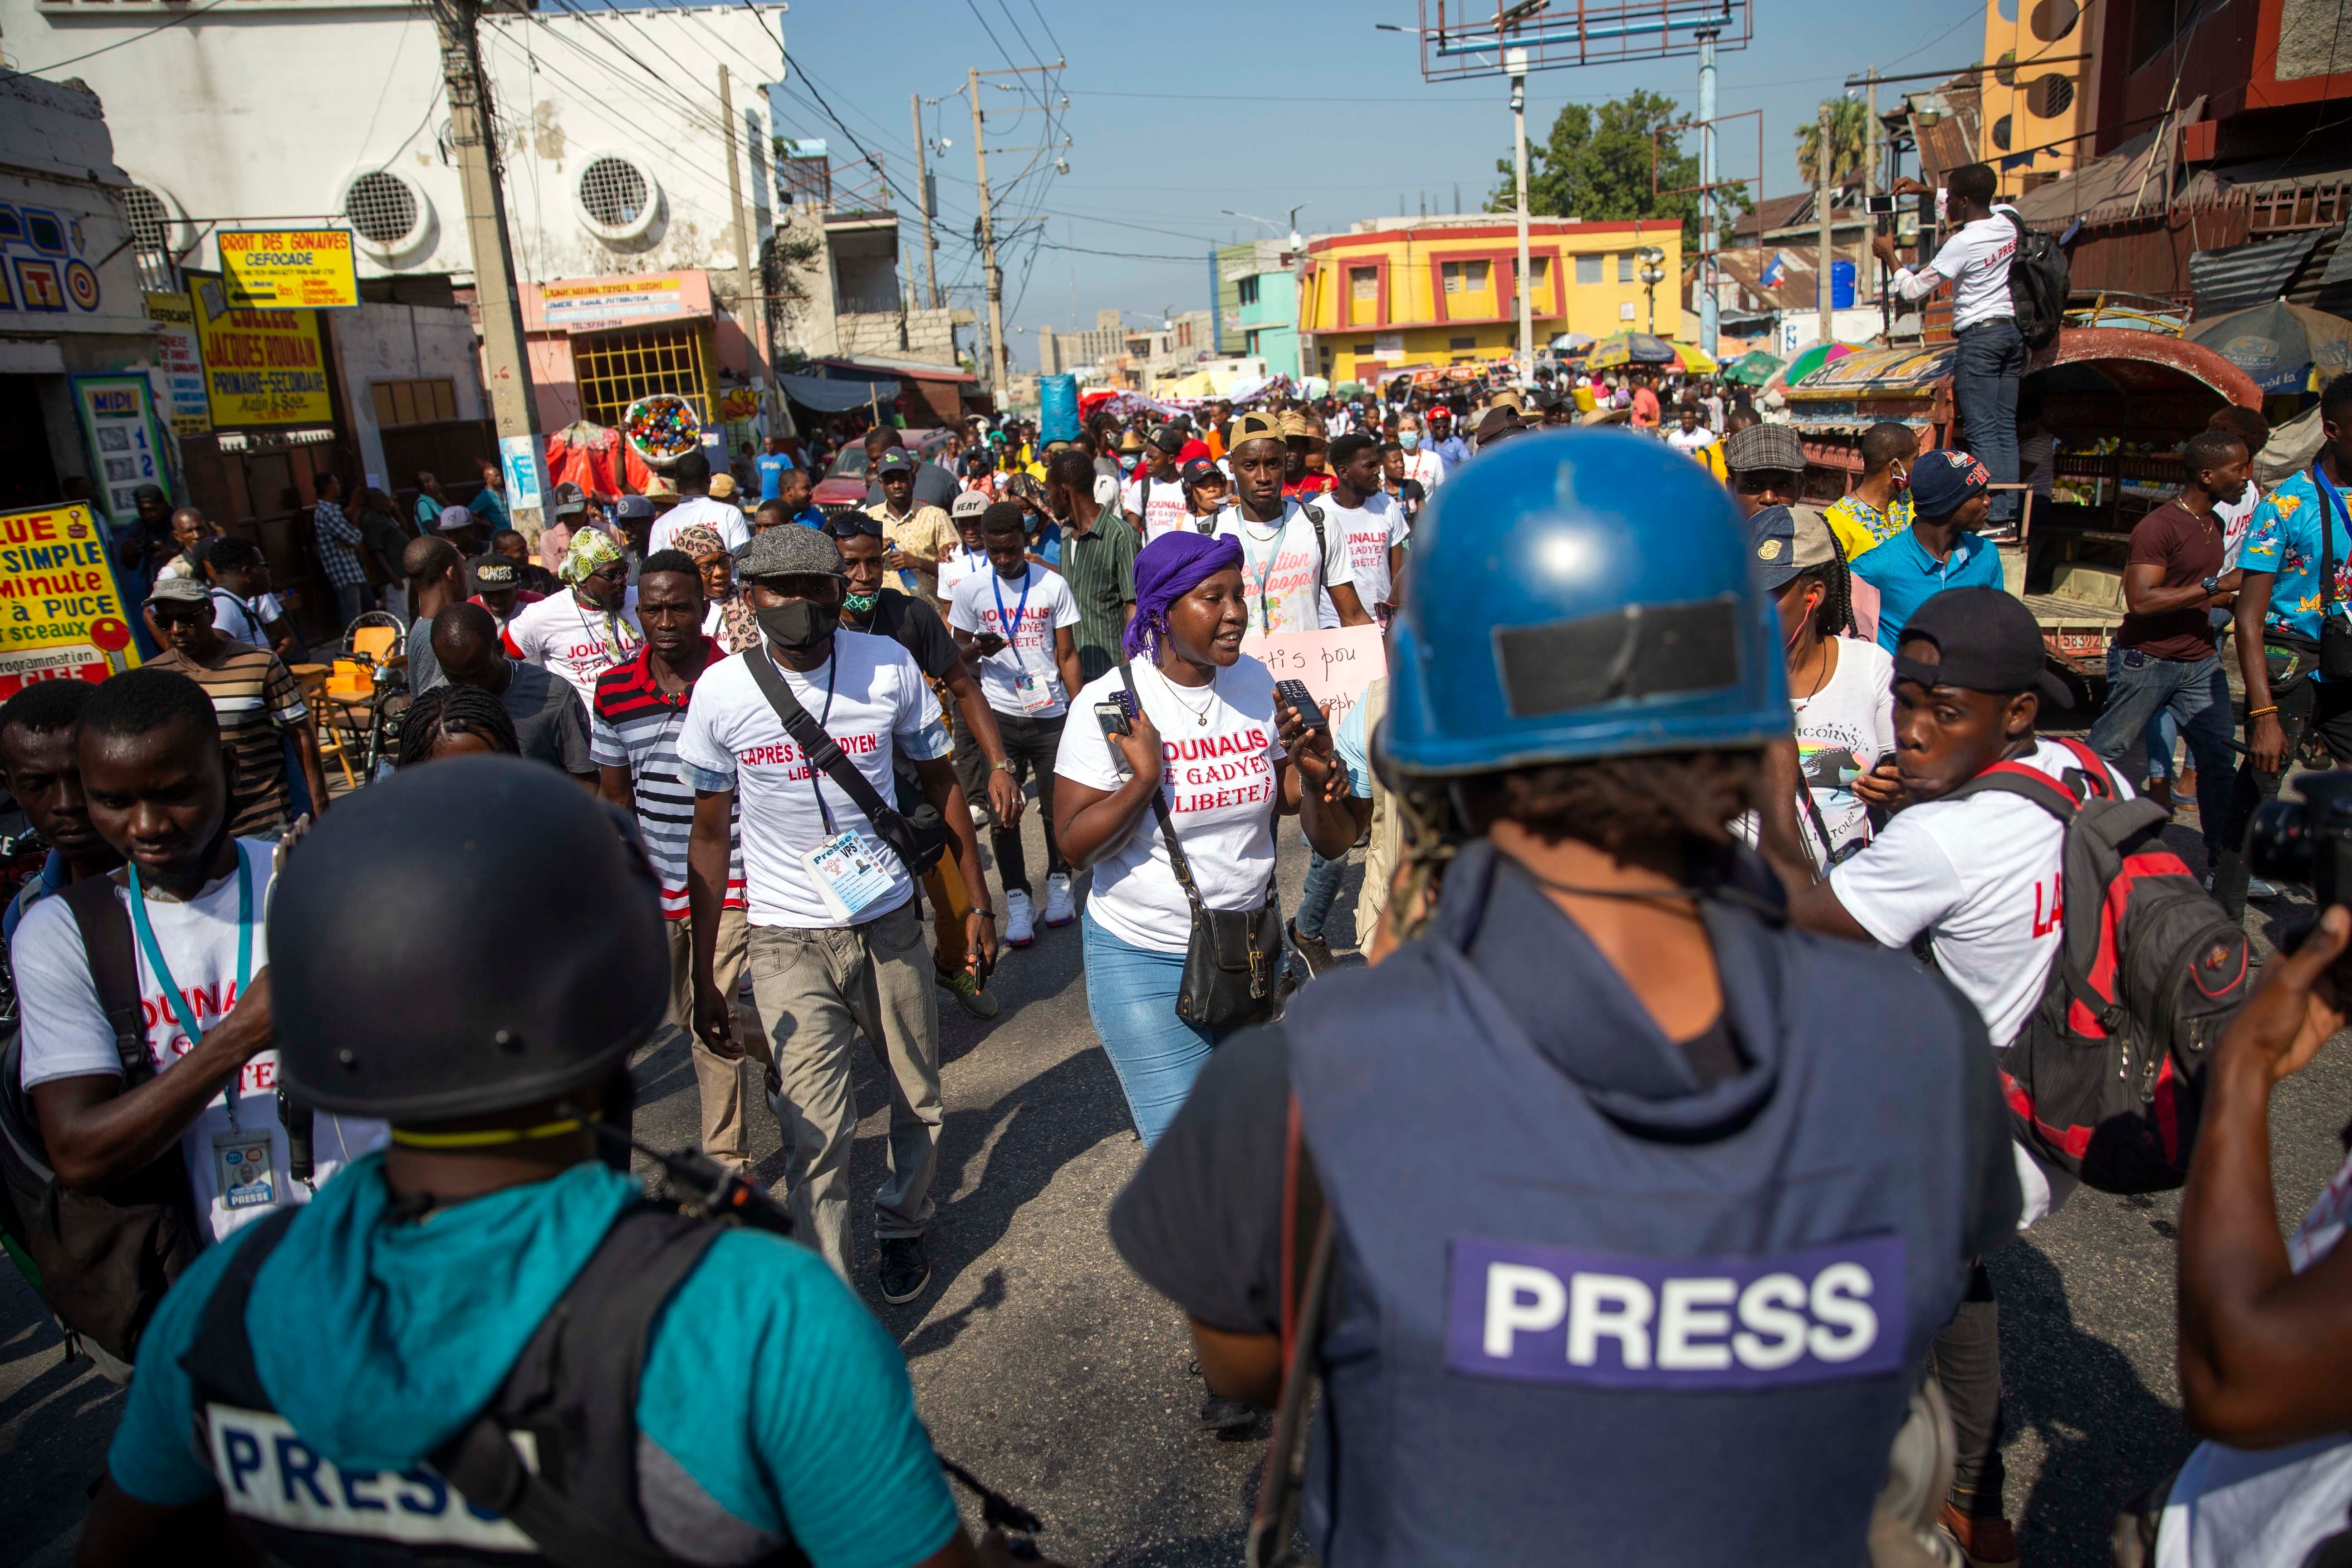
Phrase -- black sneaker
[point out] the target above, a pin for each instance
(905, 1269)
(1219, 1413)
(1313, 952)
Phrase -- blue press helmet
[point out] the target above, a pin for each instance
(1576, 595)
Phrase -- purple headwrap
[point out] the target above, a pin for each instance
(1167, 569)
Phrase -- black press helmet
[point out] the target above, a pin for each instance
(468, 936)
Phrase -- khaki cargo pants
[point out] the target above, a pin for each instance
(724, 1088)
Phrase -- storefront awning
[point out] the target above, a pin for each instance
(826, 396)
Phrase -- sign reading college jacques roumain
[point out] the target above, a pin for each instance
(261, 367)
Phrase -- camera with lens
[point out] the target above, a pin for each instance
(2308, 840)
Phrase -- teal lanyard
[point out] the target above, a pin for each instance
(181, 1010)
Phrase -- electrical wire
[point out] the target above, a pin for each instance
(119, 43)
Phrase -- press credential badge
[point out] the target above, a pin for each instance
(247, 1167)
(848, 873)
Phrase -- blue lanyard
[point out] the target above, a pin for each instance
(1020, 607)
(181, 1010)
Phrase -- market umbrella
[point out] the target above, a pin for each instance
(1630, 348)
(1753, 368)
(1813, 359)
(1572, 342)
(2283, 347)
(1693, 360)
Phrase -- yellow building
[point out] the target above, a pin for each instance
(1413, 293)
(2041, 98)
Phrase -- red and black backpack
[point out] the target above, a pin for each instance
(2105, 1077)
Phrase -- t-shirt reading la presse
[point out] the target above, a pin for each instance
(576, 639)
(1218, 752)
(1022, 678)
(874, 704)
(1371, 531)
(1163, 510)
(1279, 576)
(66, 1033)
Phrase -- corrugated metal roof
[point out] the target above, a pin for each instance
(2246, 275)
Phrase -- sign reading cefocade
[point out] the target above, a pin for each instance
(290, 269)
(61, 614)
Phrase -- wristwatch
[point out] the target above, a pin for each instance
(2210, 584)
(1005, 766)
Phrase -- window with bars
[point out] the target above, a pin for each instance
(381, 207)
(615, 369)
(614, 192)
(1465, 277)
(425, 400)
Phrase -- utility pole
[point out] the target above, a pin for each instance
(751, 309)
(512, 408)
(923, 194)
(1708, 306)
(1821, 161)
(1000, 370)
(1516, 61)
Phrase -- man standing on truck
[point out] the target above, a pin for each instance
(1975, 261)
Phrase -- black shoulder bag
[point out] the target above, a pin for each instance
(105, 1258)
(913, 828)
(1234, 962)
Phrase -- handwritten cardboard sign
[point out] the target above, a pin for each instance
(1337, 665)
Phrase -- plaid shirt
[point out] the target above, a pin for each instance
(339, 540)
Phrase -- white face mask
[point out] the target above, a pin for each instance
(1409, 439)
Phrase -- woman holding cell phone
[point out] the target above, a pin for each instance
(1190, 717)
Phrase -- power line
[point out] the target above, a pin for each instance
(105, 49)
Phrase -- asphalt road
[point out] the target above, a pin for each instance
(1042, 1366)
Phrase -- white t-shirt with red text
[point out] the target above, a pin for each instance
(873, 702)
(1163, 511)
(1371, 531)
(1218, 778)
(1041, 602)
(1279, 578)
(66, 1032)
(575, 639)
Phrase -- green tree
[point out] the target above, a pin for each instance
(1595, 165)
(1849, 142)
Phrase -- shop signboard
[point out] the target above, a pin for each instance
(117, 413)
(181, 364)
(61, 611)
(261, 367)
(290, 269)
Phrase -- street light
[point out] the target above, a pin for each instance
(1652, 273)
(1295, 240)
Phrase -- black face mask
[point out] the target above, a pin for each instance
(797, 626)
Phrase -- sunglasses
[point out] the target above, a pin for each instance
(177, 618)
(1756, 481)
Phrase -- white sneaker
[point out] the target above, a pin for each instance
(1059, 910)
(1020, 930)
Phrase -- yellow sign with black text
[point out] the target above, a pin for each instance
(290, 269)
(61, 614)
(261, 367)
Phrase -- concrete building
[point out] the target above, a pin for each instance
(1257, 303)
(1397, 294)
(842, 252)
(1062, 353)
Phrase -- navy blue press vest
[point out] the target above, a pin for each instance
(1575, 1325)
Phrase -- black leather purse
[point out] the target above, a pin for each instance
(1233, 964)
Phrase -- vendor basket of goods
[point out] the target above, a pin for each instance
(662, 429)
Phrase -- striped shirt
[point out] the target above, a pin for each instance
(256, 698)
(1100, 567)
(635, 724)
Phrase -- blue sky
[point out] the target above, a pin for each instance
(1176, 113)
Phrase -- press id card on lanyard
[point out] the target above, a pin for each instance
(1035, 691)
(848, 873)
(244, 1159)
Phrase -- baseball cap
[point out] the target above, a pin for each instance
(177, 591)
(721, 487)
(1985, 639)
(896, 460)
(791, 552)
(972, 503)
(1942, 480)
(1787, 542)
(1257, 427)
(1200, 470)
(1294, 423)
(1774, 448)
(1169, 439)
(493, 574)
(454, 517)
(569, 500)
(634, 508)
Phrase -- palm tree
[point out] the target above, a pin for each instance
(1849, 142)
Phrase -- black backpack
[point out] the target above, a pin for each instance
(2039, 281)
(2105, 1078)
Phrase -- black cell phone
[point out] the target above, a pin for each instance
(1302, 701)
(987, 642)
(1113, 718)
(1878, 205)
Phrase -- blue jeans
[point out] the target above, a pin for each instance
(1985, 374)
(1322, 890)
(1131, 992)
(2196, 694)
(2163, 733)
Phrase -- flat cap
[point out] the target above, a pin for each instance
(790, 553)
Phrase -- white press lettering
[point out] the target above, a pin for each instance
(1520, 1299)
(1616, 1305)
(1836, 1306)
(1686, 1315)
(1772, 1323)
